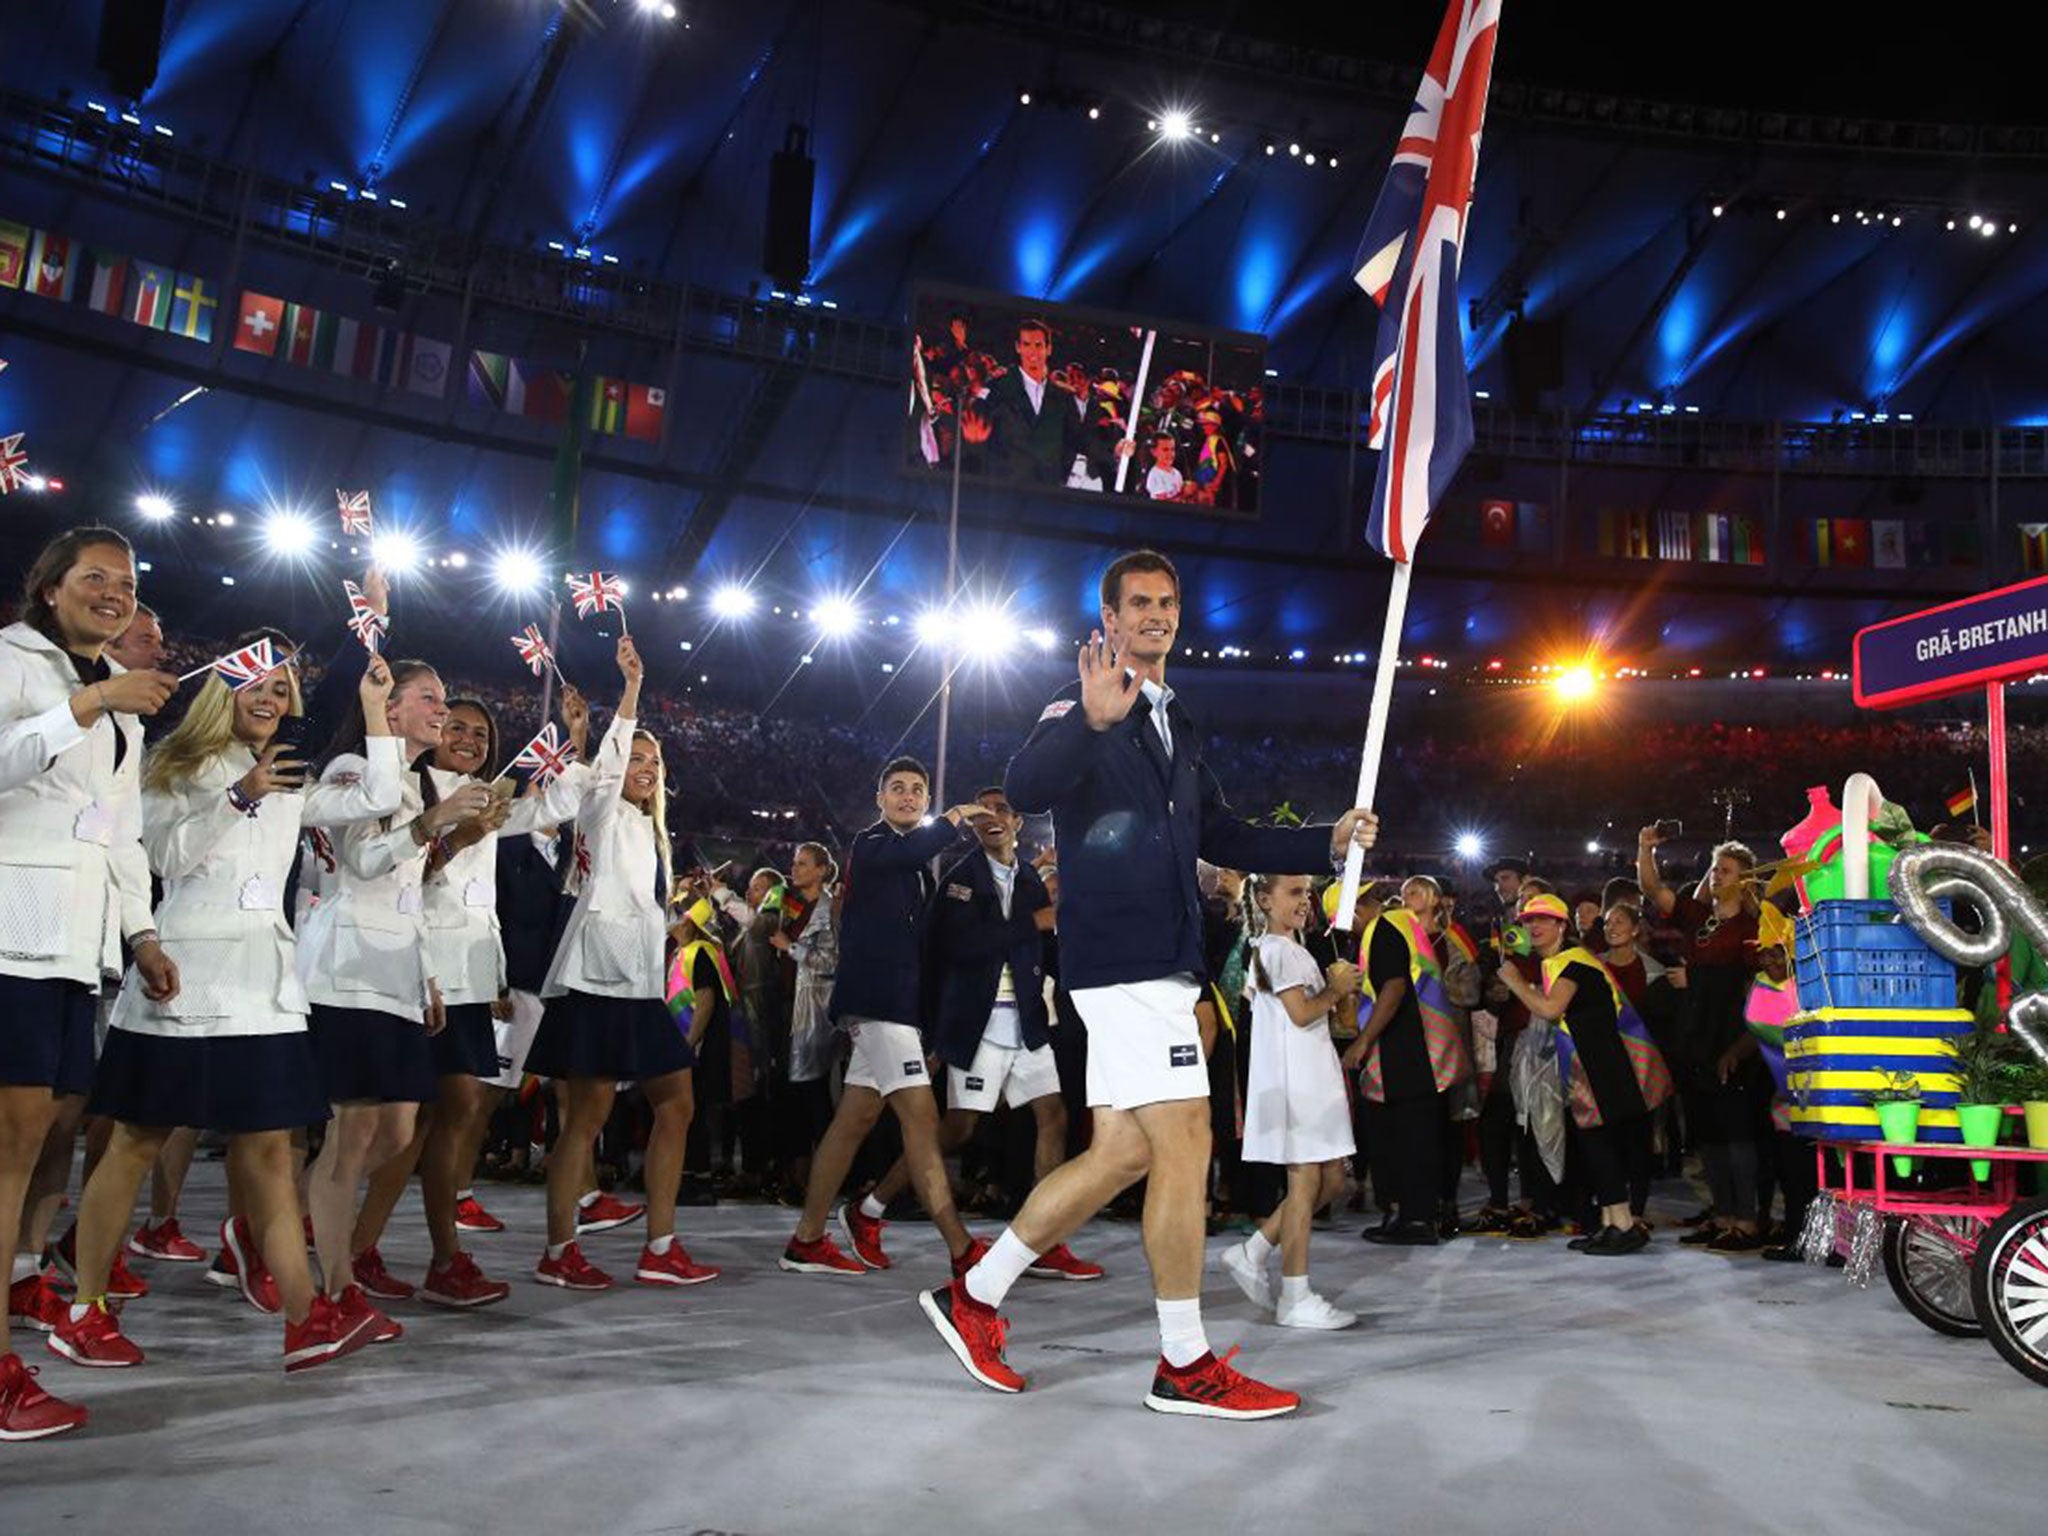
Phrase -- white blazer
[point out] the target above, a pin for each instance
(73, 878)
(224, 873)
(465, 947)
(364, 945)
(616, 938)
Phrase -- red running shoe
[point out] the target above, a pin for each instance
(327, 1334)
(252, 1279)
(353, 1309)
(94, 1339)
(459, 1283)
(377, 1281)
(164, 1241)
(123, 1284)
(60, 1259)
(1058, 1263)
(672, 1268)
(1210, 1389)
(605, 1213)
(27, 1412)
(863, 1235)
(34, 1303)
(819, 1257)
(572, 1272)
(974, 1333)
(222, 1271)
(470, 1216)
(975, 1251)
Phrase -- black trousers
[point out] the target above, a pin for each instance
(1615, 1158)
(1407, 1145)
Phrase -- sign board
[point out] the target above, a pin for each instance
(1956, 648)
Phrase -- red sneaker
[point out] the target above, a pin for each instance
(123, 1284)
(354, 1310)
(377, 1281)
(1210, 1389)
(604, 1213)
(34, 1303)
(306, 1226)
(572, 1272)
(820, 1257)
(27, 1412)
(974, 1333)
(252, 1279)
(60, 1259)
(1058, 1263)
(164, 1241)
(94, 1339)
(863, 1235)
(459, 1283)
(975, 1251)
(672, 1268)
(470, 1216)
(327, 1334)
(223, 1271)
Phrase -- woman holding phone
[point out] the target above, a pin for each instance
(224, 803)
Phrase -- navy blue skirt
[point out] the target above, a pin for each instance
(371, 1057)
(46, 1034)
(468, 1047)
(620, 1039)
(231, 1084)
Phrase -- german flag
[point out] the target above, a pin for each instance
(1961, 801)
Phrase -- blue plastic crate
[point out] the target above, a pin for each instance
(1858, 954)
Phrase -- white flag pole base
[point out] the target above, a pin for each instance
(1375, 734)
(1123, 461)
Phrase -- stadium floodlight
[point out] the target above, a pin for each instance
(396, 553)
(1471, 847)
(1042, 637)
(1175, 124)
(1574, 685)
(835, 617)
(517, 571)
(155, 506)
(987, 632)
(932, 626)
(290, 534)
(732, 601)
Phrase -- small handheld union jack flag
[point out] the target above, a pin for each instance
(596, 593)
(366, 622)
(535, 651)
(248, 666)
(355, 513)
(546, 755)
(13, 464)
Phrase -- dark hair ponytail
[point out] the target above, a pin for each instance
(352, 735)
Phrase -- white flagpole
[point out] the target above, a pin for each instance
(1123, 463)
(1375, 733)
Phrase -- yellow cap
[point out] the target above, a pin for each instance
(1545, 905)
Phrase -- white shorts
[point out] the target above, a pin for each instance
(1144, 1046)
(886, 1057)
(515, 1039)
(1006, 1072)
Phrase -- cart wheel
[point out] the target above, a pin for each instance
(2009, 1282)
(1927, 1260)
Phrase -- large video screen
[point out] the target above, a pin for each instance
(1081, 403)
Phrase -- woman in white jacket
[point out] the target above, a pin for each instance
(362, 957)
(223, 808)
(607, 1020)
(466, 953)
(73, 878)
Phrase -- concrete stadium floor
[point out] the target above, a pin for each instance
(1491, 1387)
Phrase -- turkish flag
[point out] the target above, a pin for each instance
(256, 330)
(1497, 524)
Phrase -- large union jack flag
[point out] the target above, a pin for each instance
(533, 649)
(365, 622)
(13, 464)
(546, 755)
(596, 593)
(248, 666)
(1408, 262)
(355, 513)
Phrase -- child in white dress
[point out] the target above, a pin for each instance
(1296, 1112)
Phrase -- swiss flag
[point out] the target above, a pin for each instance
(257, 329)
(1497, 524)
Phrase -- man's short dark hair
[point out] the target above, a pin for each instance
(1136, 562)
(992, 789)
(1033, 323)
(1165, 437)
(897, 765)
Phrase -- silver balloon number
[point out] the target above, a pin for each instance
(1932, 872)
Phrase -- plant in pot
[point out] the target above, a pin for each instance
(1984, 1079)
(2030, 1087)
(1896, 1098)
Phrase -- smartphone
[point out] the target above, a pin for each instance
(290, 741)
(1666, 830)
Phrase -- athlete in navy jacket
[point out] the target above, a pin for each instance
(1119, 765)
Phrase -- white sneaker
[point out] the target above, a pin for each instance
(1313, 1311)
(1250, 1278)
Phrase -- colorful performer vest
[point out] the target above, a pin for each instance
(1653, 1076)
(1449, 1061)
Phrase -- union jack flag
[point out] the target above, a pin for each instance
(547, 754)
(533, 649)
(368, 624)
(13, 464)
(355, 513)
(596, 593)
(1408, 261)
(248, 666)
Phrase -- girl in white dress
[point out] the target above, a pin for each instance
(1295, 1112)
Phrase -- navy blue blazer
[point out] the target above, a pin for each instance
(531, 906)
(970, 943)
(882, 921)
(1129, 826)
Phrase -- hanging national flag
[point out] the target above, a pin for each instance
(534, 649)
(13, 464)
(51, 271)
(489, 375)
(262, 319)
(1749, 542)
(149, 294)
(301, 323)
(104, 282)
(1888, 543)
(1962, 800)
(427, 370)
(368, 625)
(14, 241)
(546, 755)
(1408, 261)
(1674, 536)
(646, 407)
(248, 666)
(355, 513)
(597, 593)
(608, 406)
(193, 302)
(1851, 540)
(1497, 524)
(2034, 547)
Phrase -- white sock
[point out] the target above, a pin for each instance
(79, 1313)
(661, 1244)
(464, 1194)
(1256, 1248)
(990, 1280)
(26, 1267)
(556, 1250)
(585, 1202)
(1293, 1289)
(873, 1209)
(1181, 1338)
